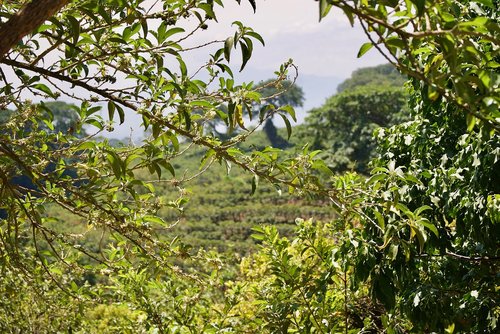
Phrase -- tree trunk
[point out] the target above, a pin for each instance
(272, 134)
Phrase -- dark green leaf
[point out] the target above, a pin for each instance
(246, 52)
(287, 124)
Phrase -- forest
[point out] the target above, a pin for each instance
(380, 213)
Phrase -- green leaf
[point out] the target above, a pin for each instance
(210, 153)
(75, 28)
(393, 252)
(471, 122)
(412, 178)
(419, 232)
(255, 183)
(432, 93)
(116, 163)
(256, 36)
(265, 110)
(477, 22)
(324, 8)
(155, 168)
(111, 110)
(228, 45)
(321, 166)
(287, 124)
(380, 219)
(154, 219)
(349, 14)
(376, 178)
(246, 53)
(44, 88)
(202, 103)
(289, 110)
(422, 209)
(121, 113)
(429, 226)
(488, 3)
(208, 9)
(395, 42)
(172, 32)
(258, 237)
(238, 116)
(167, 165)
(87, 145)
(420, 5)
(187, 119)
(225, 68)
(95, 122)
(364, 49)
(182, 66)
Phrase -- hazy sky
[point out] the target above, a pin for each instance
(325, 52)
(291, 29)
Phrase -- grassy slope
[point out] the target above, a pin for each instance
(221, 211)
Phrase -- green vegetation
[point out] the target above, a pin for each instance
(378, 76)
(153, 237)
(277, 94)
(343, 127)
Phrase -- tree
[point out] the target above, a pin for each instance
(81, 50)
(428, 237)
(278, 97)
(437, 49)
(94, 239)
(412, 234)
(343, 127)
(440, 242)
(382, 75)
(278, 94)
(422, 231)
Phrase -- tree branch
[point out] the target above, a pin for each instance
(25, 21)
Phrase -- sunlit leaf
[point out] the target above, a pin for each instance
(364, 49)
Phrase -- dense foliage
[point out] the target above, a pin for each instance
(381, 76)
(442, 197)
(91, 245)
(343, 126)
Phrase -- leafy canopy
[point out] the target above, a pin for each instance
(420, 235)
(343, 126)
